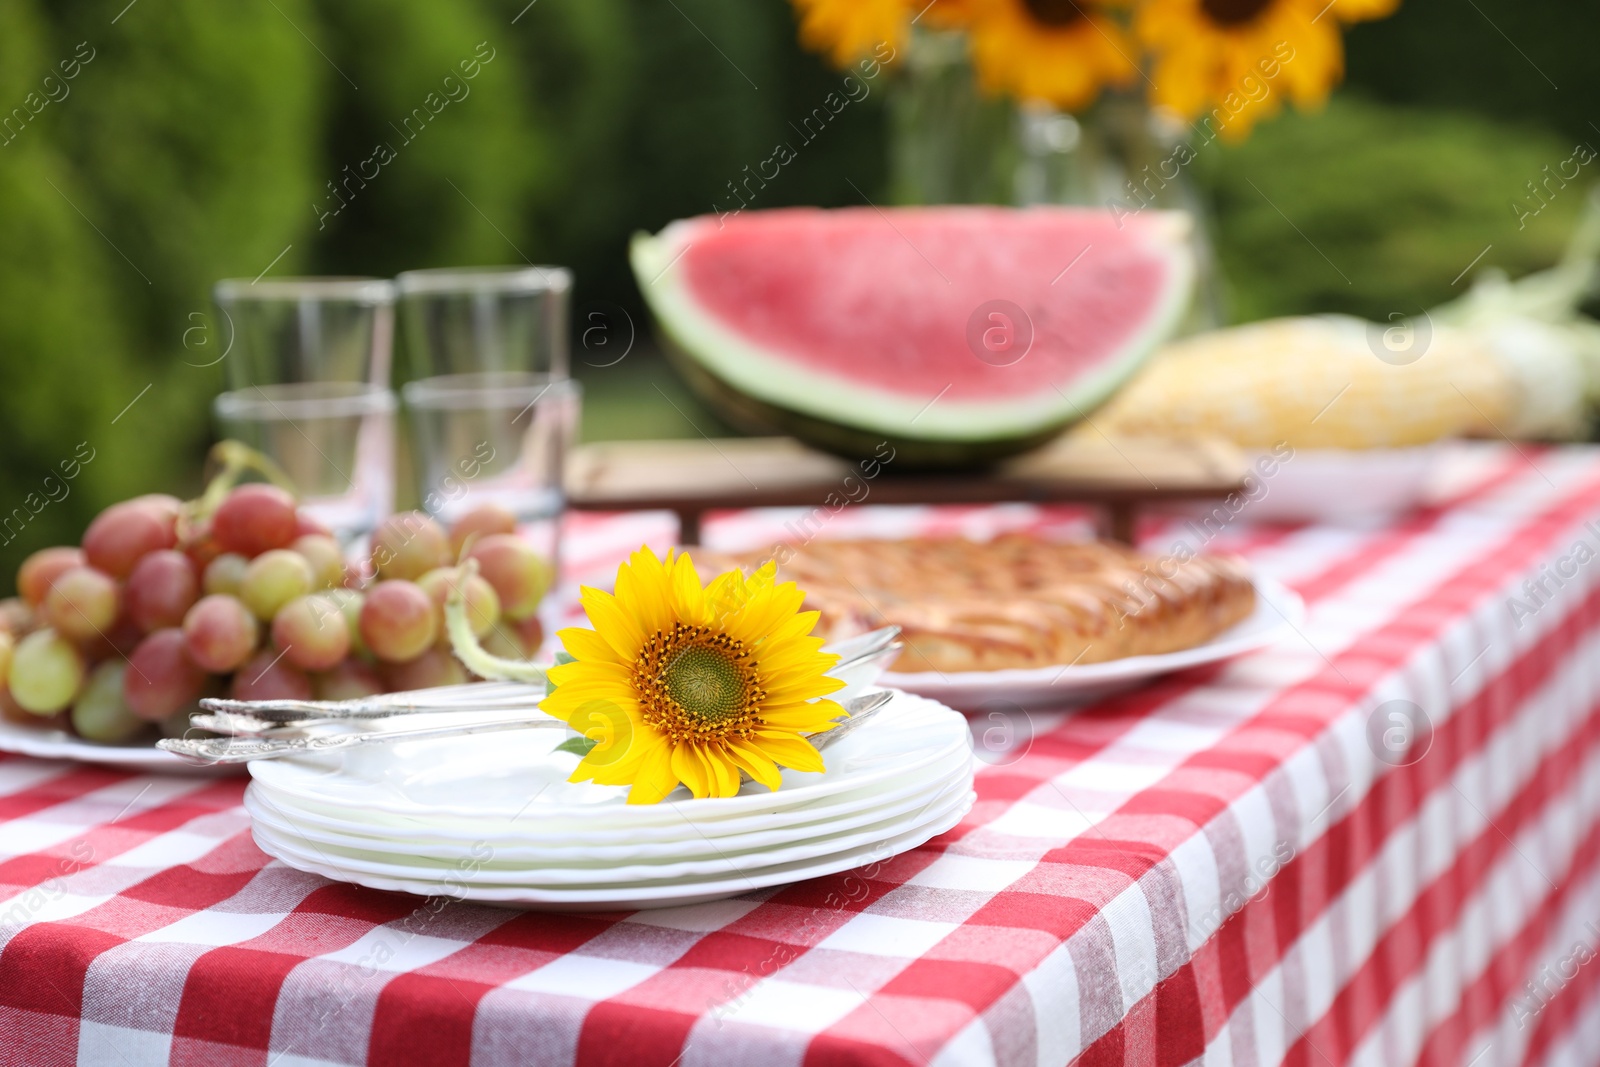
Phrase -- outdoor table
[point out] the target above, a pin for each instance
(1377, 841)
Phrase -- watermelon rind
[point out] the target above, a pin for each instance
(757, 391)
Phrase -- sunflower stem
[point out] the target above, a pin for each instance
(464, 643)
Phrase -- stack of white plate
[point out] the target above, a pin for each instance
(492, 817)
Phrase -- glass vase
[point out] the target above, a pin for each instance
(951, 144)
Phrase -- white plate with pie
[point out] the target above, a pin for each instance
(1279, 611)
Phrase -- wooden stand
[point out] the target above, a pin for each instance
(694, 477)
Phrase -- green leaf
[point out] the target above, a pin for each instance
(563, 656)
(578, 746)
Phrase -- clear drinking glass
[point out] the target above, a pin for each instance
(308, 361)
(499, 437)
(280, 331)
(474, 320)
(335, 441)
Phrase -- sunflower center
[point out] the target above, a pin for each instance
(1054, 12)
(1233, 12)
(705, 681)
(698, 686)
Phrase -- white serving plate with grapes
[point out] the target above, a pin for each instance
(44, 742)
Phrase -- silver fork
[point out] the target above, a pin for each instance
(243, 749)
(468, 697)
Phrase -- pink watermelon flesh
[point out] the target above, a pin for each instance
(864, 315)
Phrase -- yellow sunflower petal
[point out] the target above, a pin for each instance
(753, 762)
(691, 770)
(566, 673)
(655, 778)
(585, 644)
(724, 773)
(788, 750)
(802, 718)
(689, 600)
(643, 590)
(620, 630)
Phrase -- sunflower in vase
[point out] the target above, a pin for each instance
(1229, 61)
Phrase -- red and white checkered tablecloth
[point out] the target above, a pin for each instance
(1217, 867)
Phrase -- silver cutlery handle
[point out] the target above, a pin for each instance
(217, 750)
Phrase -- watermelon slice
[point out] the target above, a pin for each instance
(957, 334)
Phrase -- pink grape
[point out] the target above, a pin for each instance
(16, 617)
(82, 604)
(273, 579)
(408, 545)
(40, 571)
(350, 601)
(266, 677)
(325, 557)
(347, 681)
(531, 630)
(11, 711)
(123, 533)
(519, 574)
(99, 713)
(398, 621)
(483, 604)
(255, 518)
(219, 633)
(162, 503)
(503, 641)
(198, 544)
(161, 677)
(480, 521)
(161, 589)
(46, 672)
(225, 574)
(435, 667)
(312, 632)
(305, 524)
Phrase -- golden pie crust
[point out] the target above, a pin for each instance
(1016, 601)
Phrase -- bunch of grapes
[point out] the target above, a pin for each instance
(158, 609)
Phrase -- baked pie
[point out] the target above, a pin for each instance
(1016, 601)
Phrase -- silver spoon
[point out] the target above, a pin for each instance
(219, 750)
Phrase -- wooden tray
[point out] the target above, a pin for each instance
(694, 477)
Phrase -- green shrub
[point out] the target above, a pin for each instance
(1372, 210)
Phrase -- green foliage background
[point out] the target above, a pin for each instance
(198, 143)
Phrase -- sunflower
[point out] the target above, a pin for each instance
(1239, 58)
(847, 30)
(1060, 52)
(683, 683)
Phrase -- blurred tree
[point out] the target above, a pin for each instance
(181, 144)
(430, 157)
(57, 328)
(1528, 64)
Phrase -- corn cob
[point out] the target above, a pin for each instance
(1313, 383)
(1509, 359)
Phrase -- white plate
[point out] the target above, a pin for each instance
(1278, 611)
(486, 870)
(513, 850)
(634, 897)
(58, 744)
(489, 777)
(595, 843)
